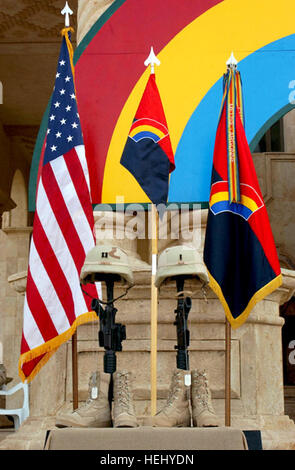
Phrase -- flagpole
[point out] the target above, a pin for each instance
(152, 60)
(75, 370)
(154, 311)
(67, 12)
(227, 373)
(231, 64)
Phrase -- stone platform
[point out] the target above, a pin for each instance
(32, 434)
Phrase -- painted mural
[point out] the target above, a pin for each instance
(193, 40)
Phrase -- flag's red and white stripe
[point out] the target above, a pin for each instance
(62, 236)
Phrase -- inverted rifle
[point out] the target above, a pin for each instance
(111, 334)
(183, 335)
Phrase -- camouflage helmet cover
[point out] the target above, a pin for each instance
(180, 260)
(106, 259)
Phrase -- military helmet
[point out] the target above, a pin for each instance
(103, 261)
(180, 260)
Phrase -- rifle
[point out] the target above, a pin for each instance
(111, 334)
(183, 335)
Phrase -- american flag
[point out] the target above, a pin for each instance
(63, 230)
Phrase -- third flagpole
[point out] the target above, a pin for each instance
(227, 373)
(231, 64)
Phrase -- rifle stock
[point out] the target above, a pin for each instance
(111, 334)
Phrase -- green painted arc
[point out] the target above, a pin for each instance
(35, 160)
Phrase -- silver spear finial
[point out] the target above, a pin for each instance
(67, 12)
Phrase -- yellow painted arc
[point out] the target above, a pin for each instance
(191, 64)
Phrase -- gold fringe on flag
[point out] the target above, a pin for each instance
(50, 347)
(259, 295)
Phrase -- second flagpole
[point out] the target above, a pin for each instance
(152, 60)
(154, 310)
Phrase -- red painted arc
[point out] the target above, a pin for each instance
(113, 62)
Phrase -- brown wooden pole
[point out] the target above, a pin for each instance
(75, 370)
(227, 373)
(154, 311)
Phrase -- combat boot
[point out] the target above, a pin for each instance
(202, 408)
(123, 408)
(95, 413)
(176, 412)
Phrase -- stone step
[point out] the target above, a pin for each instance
(31, 436)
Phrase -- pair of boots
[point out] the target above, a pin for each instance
(176, 412)
(96, 412)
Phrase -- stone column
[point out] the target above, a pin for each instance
(14, 246)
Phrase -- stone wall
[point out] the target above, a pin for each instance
(276, 174)
(14, 249)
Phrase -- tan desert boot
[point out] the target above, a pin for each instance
(123, 408)
(176, 412)
(202, 408)
(95, 413)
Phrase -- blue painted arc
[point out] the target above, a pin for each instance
(266, 75)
